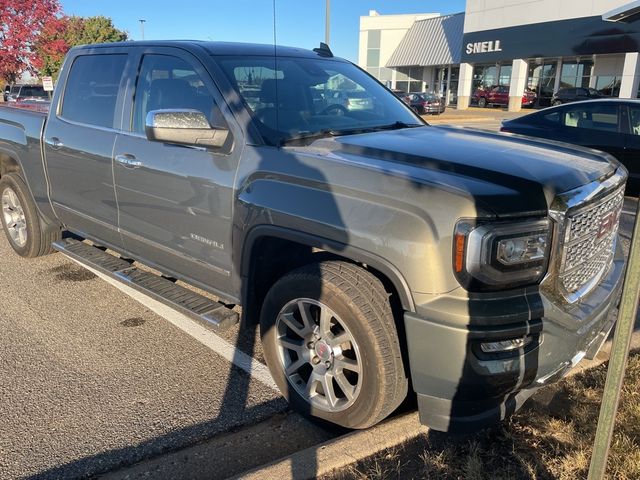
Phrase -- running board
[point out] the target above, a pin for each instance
(185, 301)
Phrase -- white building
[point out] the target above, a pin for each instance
(541, 45)
(380, 36)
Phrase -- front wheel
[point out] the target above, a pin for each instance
(20, 219)
(331, 344)
(482, 102)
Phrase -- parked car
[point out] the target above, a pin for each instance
(568, 95)
(23, 92)
(348, 100)
(374, 251)
(499, 96)
(424, 103)
(610, 125)
(401, 94)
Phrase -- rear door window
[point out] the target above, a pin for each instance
(91, 92)
(601, 117)
(634, 119)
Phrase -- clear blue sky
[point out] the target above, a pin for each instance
(299, 22)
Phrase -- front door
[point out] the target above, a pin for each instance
(175, 201)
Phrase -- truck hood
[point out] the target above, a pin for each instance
(504, 174)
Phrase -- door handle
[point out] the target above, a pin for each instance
(128, 161)
(55, 143)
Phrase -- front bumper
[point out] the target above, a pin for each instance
(462, 389)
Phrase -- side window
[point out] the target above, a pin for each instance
(634, 118)
(167, 82)
(552, 117)
(91, 91)
(593, 117)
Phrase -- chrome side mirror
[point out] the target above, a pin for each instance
(184, 127)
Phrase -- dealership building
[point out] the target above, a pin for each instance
(539, 45)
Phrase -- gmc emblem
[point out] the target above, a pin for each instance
(607, 224)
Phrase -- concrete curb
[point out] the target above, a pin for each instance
(341, 452)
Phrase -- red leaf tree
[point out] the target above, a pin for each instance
(22, 23)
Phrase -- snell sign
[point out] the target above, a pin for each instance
(484, 47)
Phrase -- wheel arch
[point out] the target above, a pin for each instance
(9, 164)
(301, 248)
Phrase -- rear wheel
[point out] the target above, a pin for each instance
(482, 102)
(332, 346)
(20, 219)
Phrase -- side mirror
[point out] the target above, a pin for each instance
(183, 127)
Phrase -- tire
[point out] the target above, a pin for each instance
(20, 219)
(482, 102)
(556, 103)
(357, 335)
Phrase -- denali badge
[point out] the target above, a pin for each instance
(206, 241)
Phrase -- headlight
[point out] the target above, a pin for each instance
(496, 256)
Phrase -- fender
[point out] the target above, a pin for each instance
(332, 246)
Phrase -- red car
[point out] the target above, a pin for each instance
(500, 96)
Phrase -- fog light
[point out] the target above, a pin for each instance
(506, 345)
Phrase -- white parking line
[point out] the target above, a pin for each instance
(209, 339)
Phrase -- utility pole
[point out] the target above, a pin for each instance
(327, 28)
(142, 20)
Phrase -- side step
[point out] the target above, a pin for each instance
(194, 305)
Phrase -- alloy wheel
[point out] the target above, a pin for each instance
(14, 217)
(319, 355)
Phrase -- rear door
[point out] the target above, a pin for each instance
(79, 139)
(594, 125)
(175, 201)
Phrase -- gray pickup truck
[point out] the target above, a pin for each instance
(375, 251)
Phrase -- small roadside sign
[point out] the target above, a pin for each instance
(47, 84)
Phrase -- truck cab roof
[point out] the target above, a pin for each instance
(218, 48)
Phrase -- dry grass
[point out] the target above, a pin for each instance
(551, 438)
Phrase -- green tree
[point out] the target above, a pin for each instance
(56, 40)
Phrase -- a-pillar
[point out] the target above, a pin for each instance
(464, 86)
(519, 77)
(630, 76)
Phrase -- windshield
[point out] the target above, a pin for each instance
(304, 98)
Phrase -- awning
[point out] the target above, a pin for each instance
(434, 41)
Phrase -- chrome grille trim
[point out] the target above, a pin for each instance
(579, 258)
(587, 252)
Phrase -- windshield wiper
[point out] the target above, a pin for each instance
(375, 128)
(308, 137)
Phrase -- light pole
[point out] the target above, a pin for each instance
(327, 21)
(142, 20)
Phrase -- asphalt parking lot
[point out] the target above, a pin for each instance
(91, 380)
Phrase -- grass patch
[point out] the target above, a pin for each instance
(550, 438)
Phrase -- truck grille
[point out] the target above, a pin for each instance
(589, 243)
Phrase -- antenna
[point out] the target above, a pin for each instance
(323, 50)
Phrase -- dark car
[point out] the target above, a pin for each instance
(401, 94)
(610, 125)
(21, 93)
(499, 95)
(568, 95)
(424, 103)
